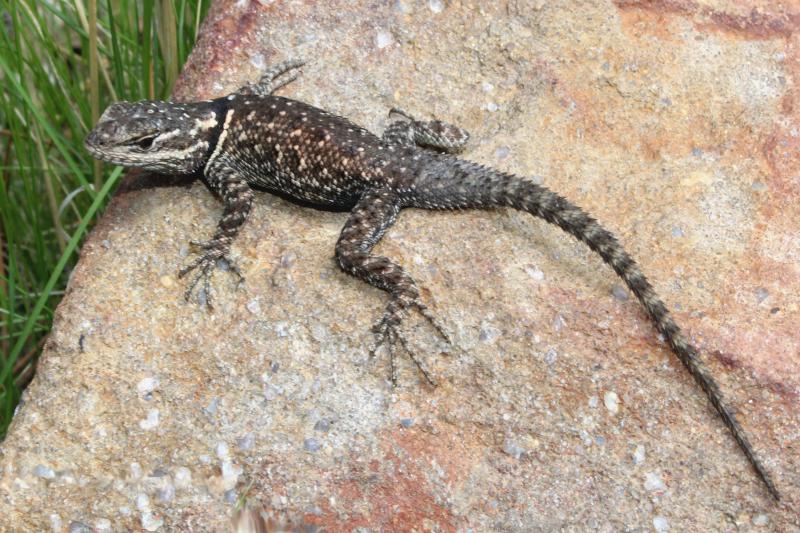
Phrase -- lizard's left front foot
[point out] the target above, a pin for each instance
(387, 332)
(214, 254)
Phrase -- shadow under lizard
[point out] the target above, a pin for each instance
(251, 138)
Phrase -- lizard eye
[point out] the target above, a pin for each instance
(146, 142)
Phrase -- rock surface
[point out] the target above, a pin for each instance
(674, 122)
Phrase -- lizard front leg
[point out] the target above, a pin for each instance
(237, 198)
(374, 213)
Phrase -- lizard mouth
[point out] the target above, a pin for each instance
(91, 143)
(103, 155)
(95, 146)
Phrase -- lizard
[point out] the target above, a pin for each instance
(253, 138)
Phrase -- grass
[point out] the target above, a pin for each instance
(61, 63)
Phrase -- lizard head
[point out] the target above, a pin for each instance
(166, 137)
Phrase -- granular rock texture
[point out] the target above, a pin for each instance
(676, 123)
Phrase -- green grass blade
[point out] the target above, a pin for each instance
(56, 274)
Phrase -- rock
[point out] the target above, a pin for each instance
(653, 115)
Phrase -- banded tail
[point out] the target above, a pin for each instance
(450, 183)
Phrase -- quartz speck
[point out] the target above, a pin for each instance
(246, 443)
(151, 422)
(211, 408)
(222, 450)
(760, 520)
(619, 292)
(639, 454)
(166, 493)
(489, 333)
(513, 449)
(254, 306)
(653, 482)
(319, 333)
(146, 385)
(437, 6)
(761, 294)
(258, 61)
(44, 472)
(79, 527)
(271, 392)
(534, 273)
(282, 329)
(142, 502)
(661, 524)
(383, 39)
(611, 401)
(230, 474)
(151, 521)
(183, 477)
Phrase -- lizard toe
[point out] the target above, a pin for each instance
(205, 265)
(388, 334)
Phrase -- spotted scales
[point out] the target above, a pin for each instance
(254, 138)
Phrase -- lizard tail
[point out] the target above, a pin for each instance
(462, 185)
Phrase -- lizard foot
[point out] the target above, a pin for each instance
(269, 82)
(434, 134)
(215, 255)
(387, 332)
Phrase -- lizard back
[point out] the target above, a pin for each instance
(298, 150)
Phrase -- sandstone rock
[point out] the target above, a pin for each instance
(674, 122)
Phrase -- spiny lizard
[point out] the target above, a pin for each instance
(252, 138)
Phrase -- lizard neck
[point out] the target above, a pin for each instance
(221, 107)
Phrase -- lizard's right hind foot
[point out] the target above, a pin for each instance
(387, 333)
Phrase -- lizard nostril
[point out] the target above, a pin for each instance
(95, 139)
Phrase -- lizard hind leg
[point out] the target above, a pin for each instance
(431, 134)
(269, 82)
(374, 213)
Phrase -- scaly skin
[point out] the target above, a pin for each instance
(254, 138)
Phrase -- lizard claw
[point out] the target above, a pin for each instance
(215, 256)
(387, 332)
(425, 312)
(402, 113)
